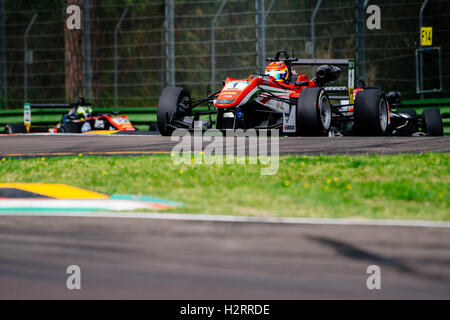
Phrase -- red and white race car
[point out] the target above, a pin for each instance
(297, 106)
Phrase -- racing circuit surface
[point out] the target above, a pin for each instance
(37, 145)
(126, 258)
(162, 259)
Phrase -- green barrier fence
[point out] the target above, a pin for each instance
(143, 117)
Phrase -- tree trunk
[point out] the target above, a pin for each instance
(73, 58)
(95, 62)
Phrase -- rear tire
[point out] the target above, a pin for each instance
(371, 113)
(432, 122)
(15, 128)
(173, 102)
(313, 112)
(70, 127)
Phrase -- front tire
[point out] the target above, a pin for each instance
(70, 127)
(371, 113)
(313, 112)
(173, 102)
(432, 122)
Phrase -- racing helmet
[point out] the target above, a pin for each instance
(278, 70)
(83, 112)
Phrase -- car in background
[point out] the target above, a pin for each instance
(74, 121)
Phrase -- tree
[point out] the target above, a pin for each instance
(73, 54)
(95, 52)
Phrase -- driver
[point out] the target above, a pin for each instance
(80, 110)
(280, 71)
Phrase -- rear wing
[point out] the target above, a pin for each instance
(318, 62)
(27, 110)
(350, 63)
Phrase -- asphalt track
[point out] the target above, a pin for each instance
(161, 259)
(165, 259)
(43, 145)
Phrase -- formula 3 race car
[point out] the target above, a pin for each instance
(298, 106)
(79, 119)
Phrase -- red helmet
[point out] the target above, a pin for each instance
(278, 70)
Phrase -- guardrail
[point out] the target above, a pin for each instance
(146, 116)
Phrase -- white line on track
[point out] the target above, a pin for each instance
(238, 219)
(71, 205)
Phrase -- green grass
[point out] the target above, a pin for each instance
(391, 187)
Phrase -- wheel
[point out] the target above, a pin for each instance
(432, 122)
(371, 114)
(313, 112)
(70, 127)
(15, 128)
(173, 102)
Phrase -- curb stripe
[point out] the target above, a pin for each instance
(101, 132)
(57, 191)
(40, 206)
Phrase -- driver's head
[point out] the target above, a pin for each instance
(83, 112)
(278, 70)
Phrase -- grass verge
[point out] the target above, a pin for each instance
(375, 186)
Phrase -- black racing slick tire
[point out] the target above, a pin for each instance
(313, 112)
(432, 122)
(70, 127)
(371, 113)
(15, 128)
(173, 102)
